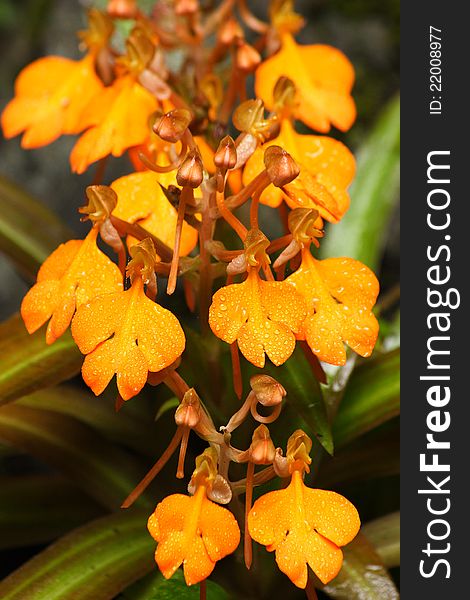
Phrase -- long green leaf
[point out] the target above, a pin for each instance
(100, 414)
(384, 534)
(363, 575)
(29, 232)
(360, 234)
(28, 363)
(101, 469)
(35, 509)
(155, 587)
(372, 397)
(93, 562)
(304, 395)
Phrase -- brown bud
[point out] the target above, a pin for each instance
(229, 31)
(189, 411)
(267, 390)
(102, 201)
(262, 450)
(280, 165)
(246, 57)
(172, 125)
(191, 171)
(186, 7)
(226, 155)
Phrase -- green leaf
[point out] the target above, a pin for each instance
(29, 231)
(361, 232)
(363, 576)
(376, 454)
(155, 587)
(384, 534)
(96, 561)
(35, 509)
(29, 364)
(170, 404)
(304, 395)
(101, 469)
(372, 397)
(99, 414)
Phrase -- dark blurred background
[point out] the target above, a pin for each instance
(366, 30)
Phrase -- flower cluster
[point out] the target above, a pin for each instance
(162, 223)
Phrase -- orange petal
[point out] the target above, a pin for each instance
(72, 275)
(323, 77)
(141, 199)
(340, 293)
(127, 334)
(118, 119)
(331, 515)
(219, 530)
(169, 515)
(197, 564)
(270, 518)
(261, 315)
(51, 95)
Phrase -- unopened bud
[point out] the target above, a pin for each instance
(267, 390)
(191, 171)
(186, 7)
(262, 450)
(280, 165)
(123, 9)
(172, 125)
(226, 155)
(102, 200)
(247, 58)
(189, 411)
(229, 31)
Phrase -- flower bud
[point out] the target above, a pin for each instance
(246, 57)
(190, 172)
(226, 155)
(102, 200)
(267, 390)
(299, 446)
(123, 9)
(189, 411)
(186, 7)
(262, 450)
(280, 165)
(172, 125)
(229, 31)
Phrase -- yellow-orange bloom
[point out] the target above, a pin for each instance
(340, 293)
(262, 316)
(193, 531)
(323, 77)
(51, 95)
(118, 119)
(141, 200)
(327, 168)
(126, 334)
(72, 275)
(304, 526)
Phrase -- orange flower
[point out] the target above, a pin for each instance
(193, 531)
(72, 275)
(261, 315)
(118, 119)
(126, 334)
(327, 168)
(141, 200)
(304, 526)
(51, 95)
(323, 77)
(340, 293)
